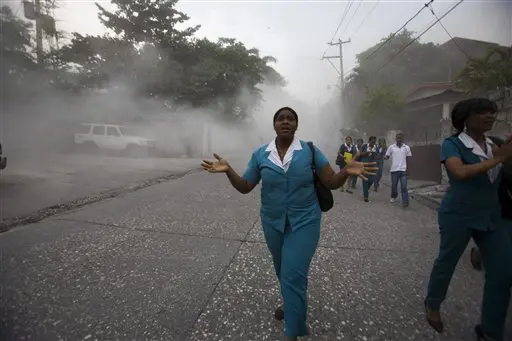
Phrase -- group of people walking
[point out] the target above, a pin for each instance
(377, 152)
(292, 170)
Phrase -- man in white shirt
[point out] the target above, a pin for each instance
(399, 152)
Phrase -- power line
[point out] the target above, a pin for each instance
(353, 15)
(18, 9)
(401, 28)
(366, 18)
(447, 32)
(419, 36)
(347, 9)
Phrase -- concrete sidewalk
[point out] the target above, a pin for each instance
(186, 260)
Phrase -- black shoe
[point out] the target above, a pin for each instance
(476, 259)
(481, 336)
(438, 326)
(279, 313)
(366, 200)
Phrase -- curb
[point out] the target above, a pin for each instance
(427, 201)
(46, 212)
(420, 198)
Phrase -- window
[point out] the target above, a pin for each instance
(84, 129)
(112, 131)
(98, 130)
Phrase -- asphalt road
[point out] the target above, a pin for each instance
(185, 260)
(33, 184)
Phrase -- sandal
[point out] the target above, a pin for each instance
(279, 313)
(438, 326)
(476, 259)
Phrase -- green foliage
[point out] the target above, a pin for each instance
(419, 63)
(147, 21)
(15, 50)
(381, 110)
(489, 74)
(385, 66)
(151, 52)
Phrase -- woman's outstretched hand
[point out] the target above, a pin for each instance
(361, 169)
(219, 166)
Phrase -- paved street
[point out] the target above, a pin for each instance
(31, 185)
(185, 260)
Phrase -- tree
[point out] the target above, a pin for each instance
(16, 48)
(149, 53)
(388, 64)
(492, 73)
(147, 21)
(381, 110)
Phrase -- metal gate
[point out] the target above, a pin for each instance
(425, 163)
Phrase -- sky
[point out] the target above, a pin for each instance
(296, 33)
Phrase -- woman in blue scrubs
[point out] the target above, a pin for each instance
(471, 209)
(290, 213)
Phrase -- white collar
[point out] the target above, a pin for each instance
(274, 154)
(476, 149)
(396, 145)
(371, 149)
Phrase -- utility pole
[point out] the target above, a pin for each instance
(340, 57)
(39, 32)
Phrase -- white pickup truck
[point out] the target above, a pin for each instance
(111, 137)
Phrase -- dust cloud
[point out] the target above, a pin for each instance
(39, 127)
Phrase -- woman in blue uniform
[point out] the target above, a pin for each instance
(290, 213)
(471, 209)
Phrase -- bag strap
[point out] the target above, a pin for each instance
(312, 149)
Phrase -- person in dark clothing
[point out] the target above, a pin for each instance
(369, 153)
(359, 147)
(505, 193)
(380, 163)
(346, 153)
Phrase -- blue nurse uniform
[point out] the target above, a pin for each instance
(290, 217)
(471, 209)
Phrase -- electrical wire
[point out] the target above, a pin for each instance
(448, 33)
(353, 15)
(347, 9)
(18, 9)
(401, 28)
(419, 36)
(366, 18)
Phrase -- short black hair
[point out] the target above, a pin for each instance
(372, 137)
(283, 109)
(468, 107)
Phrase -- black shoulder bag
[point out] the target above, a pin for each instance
(324, 194)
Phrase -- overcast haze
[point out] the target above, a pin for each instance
(296, 32)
